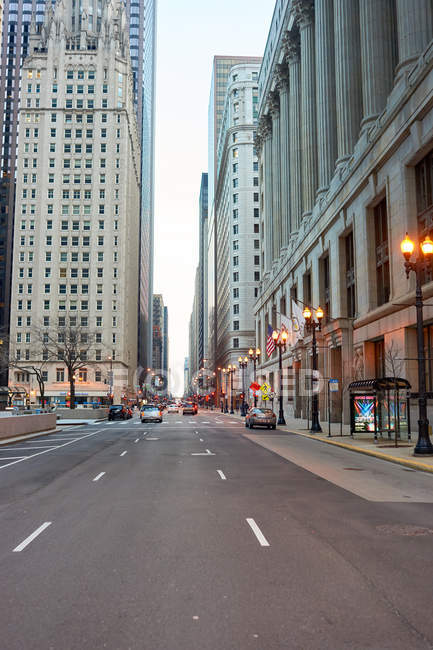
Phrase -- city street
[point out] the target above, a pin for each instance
(187, 535)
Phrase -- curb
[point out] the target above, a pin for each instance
(413, 464)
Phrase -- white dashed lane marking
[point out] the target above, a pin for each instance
(257, 532)
(222, 475)
(31, 537)
(100, 475)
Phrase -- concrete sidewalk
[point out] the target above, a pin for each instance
(383, 448)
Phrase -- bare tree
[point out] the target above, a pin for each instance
(10, 357)
(393, 360)
(70, 344)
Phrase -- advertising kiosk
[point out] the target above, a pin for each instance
(380, 406)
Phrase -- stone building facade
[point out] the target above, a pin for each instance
(345, 140)
(76, 257)
(237, 217)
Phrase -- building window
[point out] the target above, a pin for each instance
(60, 374)
(235, 343)
(236, 309)
(326, 295)
(236, 292)
(236, 325)
(382, 253)
(379, 358)
(424, 203)
(350, 276)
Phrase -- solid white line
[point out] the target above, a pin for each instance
(31, 537)
(222, 475)
(10, 457)
(258, 533)
(205, 422)
(100, 475)
(123, 453)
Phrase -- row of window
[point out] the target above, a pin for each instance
(62, 321)
(77, 179)
(73, 272)
(67, 147)
(72, 305)
(29, 240)
(67, 257)
(63, 289)
(256, 213)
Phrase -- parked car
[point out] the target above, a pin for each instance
(172, 408)
(260, 417)
(188, 409)
(150, 413)
(117, 412)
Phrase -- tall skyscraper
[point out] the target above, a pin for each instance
(202, 333)
(78, 202)
(17, 18)
(237, 216)
(220, 73)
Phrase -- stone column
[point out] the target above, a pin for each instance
(347, 76)
(282, 74)
(325, 85)
(293, 58)
(378, 55)
(305, 19)
(266, 130)
(274, 105)
(414, 25)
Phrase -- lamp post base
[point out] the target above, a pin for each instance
(281, 419)
(423, 446)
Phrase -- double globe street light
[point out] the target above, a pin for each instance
(418, 266)
(243, 363)
(280, 340)
(254, 356)
(311, 325)
(231, 369)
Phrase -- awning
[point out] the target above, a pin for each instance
(385, 383)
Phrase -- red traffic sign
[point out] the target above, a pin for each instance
(255, 386)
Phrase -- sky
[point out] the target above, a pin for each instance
(189, 34)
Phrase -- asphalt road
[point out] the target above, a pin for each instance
(188, 536)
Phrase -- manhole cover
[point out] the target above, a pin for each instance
(353, 469)
(406, 531)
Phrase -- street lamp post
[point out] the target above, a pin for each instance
(225, 373)
(111, 379)
(423, 446)
(280, 340)
(254, 356)
(231, 370)
(312, 325)
(243, 362)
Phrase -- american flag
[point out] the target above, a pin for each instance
(270, 344)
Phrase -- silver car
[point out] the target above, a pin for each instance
(260, 417)
(150, 413)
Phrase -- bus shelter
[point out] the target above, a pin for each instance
(380, 406)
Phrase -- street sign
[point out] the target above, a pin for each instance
(255, 386)
(333, 385)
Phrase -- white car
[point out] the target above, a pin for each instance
(172, 408)
(150, 413)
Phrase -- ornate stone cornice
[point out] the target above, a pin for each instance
(303, 11)
(281, 76)
(292, 46)
(258, 143)
(265, 126)
(274, 103)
